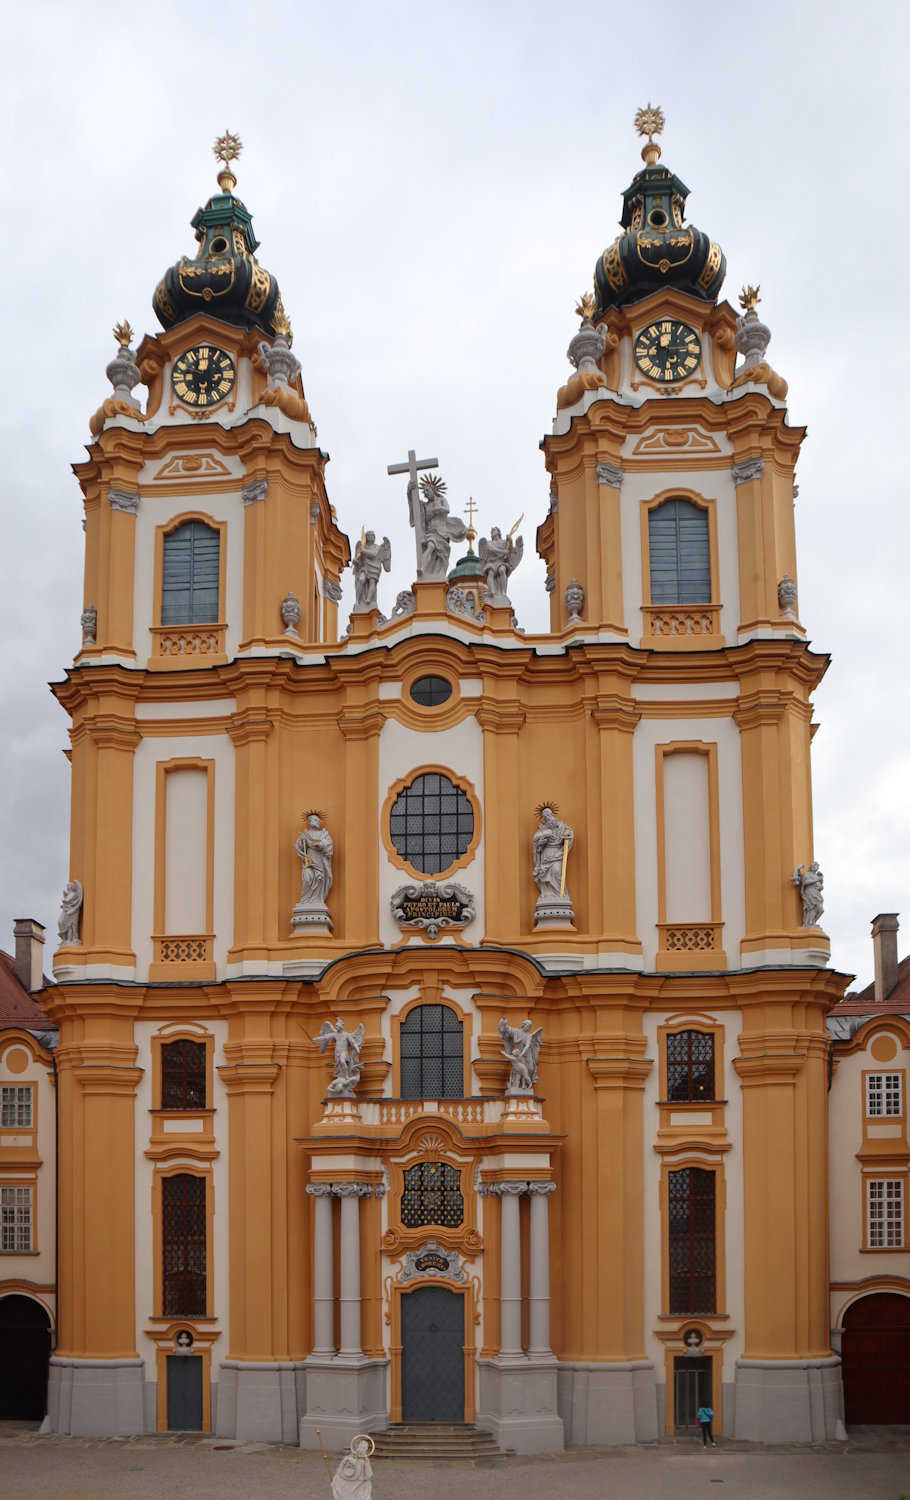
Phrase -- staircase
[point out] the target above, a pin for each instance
(437, 1442)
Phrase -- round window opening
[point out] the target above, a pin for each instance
(219, 245)
(431, 823)
(431, 691)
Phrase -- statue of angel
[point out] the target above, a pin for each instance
(70, 907)
(370, 557)
(499, 557)
(521, 1047)
(347, 1046)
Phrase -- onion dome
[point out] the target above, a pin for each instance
(656, 249)
(225, 280)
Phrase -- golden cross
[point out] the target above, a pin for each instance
(470, 509)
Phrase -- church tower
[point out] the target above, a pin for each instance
(442, 1006)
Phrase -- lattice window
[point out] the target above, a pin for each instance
(183, 1075)
(184, 1244)
(15, 1218)
(432, 1195)
(690, 1065)
(431, 823)
(692, 1247)
(432, 1054)
(884, 1094)
(885, 1209)
(16, 1106)
(680, 557)
(189, 595)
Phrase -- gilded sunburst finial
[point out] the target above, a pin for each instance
(123, 333)
(586, 305)
(650, 121)
(749, 298)
(227, 148)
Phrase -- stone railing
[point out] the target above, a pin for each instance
(190, 949)
(681, 622)
(182, 641)
(690, 937)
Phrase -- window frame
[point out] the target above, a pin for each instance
(869, 1079)
(158, 1212)
(701, 502)
(210, 649)
(395, 791)
(671, 1036)
(432, 997)
(17, 1088)
(168, 1070)
(193, 587)
(883, 1222)
(427, 1057)
(691, 1237)
(13, 1225)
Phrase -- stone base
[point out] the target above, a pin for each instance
(96, 1397)
(788, 1401)
(517, 1403)
(259, 1402)
(343, 1397)
(306, 919)
(608, 1403)
(340, 1111)
(553, 913)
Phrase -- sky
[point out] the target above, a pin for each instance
(432, 184)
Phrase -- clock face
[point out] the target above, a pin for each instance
(203, 376)
(667, 350)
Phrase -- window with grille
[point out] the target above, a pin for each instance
(432, 1195)
(431, 823)
(884, 1094)
(183, 1075)
(192, 554)
(432, 1053)
(16, 1106)
(184, 1231)
(15, 1218)
(690, 1065)
(885, 1211)
(692, 1241)
(680, 557)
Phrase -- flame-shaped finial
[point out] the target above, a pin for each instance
(586, 305)
(749, 298)
(123, 333)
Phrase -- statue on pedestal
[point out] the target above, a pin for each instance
(550, 845)
(348, 1045)
(315, 848)
(521, 1047)
(436, 529)
(810, 882)
(70, 907)
(370, 557)
(499, 557)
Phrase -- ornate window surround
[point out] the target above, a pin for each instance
(159, 659)
(707, 641)
(705, 1161)
(431, 997)
(394, 792)
(196, 1140)
(175, 1169)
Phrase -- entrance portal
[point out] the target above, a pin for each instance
(432, 1355)
(692, 1389)
(876, 1359)
(25, 1347)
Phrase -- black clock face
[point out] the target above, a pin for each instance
(203, 376)
(667, 350)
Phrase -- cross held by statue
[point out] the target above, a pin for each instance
(410, 468)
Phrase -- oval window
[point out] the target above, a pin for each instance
(431, 691)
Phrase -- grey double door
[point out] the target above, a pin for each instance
(432, 1355)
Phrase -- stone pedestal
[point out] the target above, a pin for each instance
(259, 1401)
(788, 1401)
(308, 918)
(344, 1396)
(553, 912)
(96, 1397)
(518, 1402)
(608, 1403)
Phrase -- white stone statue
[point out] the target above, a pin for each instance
(370, 557)
(315, 848)
(70, 907)
(499, 557)
(353, 1478)
(550, 845)
(348, 1047)
(437, 531)
(810, 882)
(521, 1046)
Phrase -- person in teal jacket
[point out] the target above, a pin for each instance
(705, 1418)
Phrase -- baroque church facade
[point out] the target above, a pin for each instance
(444, 1044)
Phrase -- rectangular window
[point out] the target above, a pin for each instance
(885, 1201)
(15, 1218)
(184, 1230)
(690, 1065)
(692, 1241)
(183, 1075)
(16, 1106)
(883, 1094)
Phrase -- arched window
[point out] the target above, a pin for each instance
(690, 1065)
(189, 594)
(432, 1054)
(184, 1235)
(680, 556)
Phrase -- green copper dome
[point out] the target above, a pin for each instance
(225, 280)
(657, 249)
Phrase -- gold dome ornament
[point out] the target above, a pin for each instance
(650, 122)
(226, 149)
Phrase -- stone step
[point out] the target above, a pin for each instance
(436, 1442)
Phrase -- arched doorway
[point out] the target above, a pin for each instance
(876, 1358)
(432, 1355)
(25, 1346)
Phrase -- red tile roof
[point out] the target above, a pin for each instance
(17, 1008)
(863, 1002)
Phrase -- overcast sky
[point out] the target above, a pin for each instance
(432, 184)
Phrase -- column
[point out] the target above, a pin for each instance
(323, 1277)
(510, 1270)
(350, 1194)
(540, 1268)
